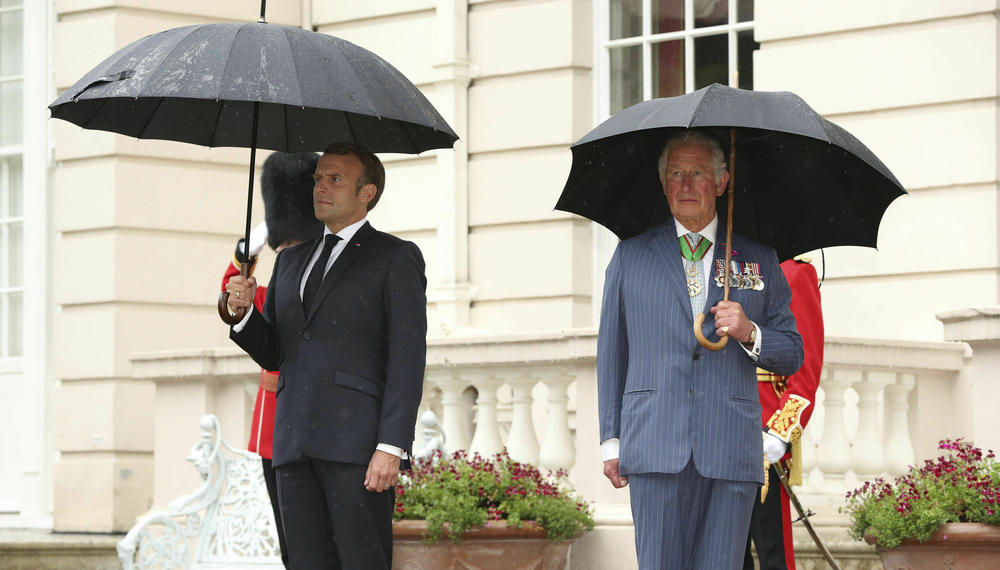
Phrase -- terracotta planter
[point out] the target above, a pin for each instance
(957, 546)
(495, 547)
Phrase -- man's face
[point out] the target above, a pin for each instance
(690, 185)
(337, 200)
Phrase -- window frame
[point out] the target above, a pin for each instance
(13, 363)
(647, 39)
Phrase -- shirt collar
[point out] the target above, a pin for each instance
(347, 233)
(707, 231)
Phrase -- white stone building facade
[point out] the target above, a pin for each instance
(113, 248)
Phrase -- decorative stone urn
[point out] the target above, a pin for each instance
(495, 547)
(956, 546)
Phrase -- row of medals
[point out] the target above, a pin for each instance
(736, 281)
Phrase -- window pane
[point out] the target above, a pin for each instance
(710, 13)
(668, 69)
(745, 46)
(744, 11)
(711, 61)
(15, 324)
(11, 39)
(15, 246)
(626, 77)
(12, 188)
(10, 112)
(668, 16)
(626, 18)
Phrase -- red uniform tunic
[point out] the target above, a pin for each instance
(787, 403)
(262, 424)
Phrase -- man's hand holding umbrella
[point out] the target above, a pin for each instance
(242, 291)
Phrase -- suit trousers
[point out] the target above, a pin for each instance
(331, 521)
(687, 521)
(271, 482)
(767, 529)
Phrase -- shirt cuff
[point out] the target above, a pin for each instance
(609, 449)
(238, 327)
(754, 351)
(397, 451)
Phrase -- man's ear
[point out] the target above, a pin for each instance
(722, 184)
(367, 193)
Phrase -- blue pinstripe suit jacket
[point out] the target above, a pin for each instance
(664, 396)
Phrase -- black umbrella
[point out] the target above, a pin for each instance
(803, 182)
(254, 85)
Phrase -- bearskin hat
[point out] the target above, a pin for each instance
(287, 187)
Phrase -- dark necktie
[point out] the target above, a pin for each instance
(316, 275)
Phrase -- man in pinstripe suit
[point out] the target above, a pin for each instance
(680, 422)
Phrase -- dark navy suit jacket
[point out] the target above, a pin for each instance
(351, 371)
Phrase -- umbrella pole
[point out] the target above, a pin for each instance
(223, 304)
(700, 319)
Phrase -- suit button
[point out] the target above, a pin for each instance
(697, 356)
(306, 336)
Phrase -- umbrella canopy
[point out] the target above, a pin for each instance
(801, 182)
(254, 85)
(198, 84)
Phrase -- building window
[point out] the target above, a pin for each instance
(664, 48)
(11, 187)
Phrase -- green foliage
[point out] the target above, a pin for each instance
(465, 493)
(961, 486)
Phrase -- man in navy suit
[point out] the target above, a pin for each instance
(680, 422)
(345, 324)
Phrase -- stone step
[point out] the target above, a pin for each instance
(46, 550)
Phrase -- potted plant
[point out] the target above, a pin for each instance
(943, 514)
(494, 513)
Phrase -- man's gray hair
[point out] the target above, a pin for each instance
(689, 136)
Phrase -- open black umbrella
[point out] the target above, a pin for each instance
(254, 85)
(803, 183)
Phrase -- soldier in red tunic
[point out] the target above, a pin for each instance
(287, 188)
(786, 406)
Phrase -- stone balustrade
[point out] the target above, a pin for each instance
(881, 406)
(515, 392)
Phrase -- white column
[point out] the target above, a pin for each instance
(867, 453)
(453, 408)
(522, 444)
(558, 450)
(453, 293)
(486, 441)
(36, 462)
(834, 454)
(898, 446)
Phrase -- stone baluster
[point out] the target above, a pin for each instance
(486, 440)
(453, 409)
(558, 450)
(833, 451)
(898, 446)
(522, 444)
(867, 453)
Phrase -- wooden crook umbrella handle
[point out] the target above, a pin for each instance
(700, 319)
(237, 316)
(716, 345)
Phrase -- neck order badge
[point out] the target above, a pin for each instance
(693, 248)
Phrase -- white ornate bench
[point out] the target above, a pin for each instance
(226, 523)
